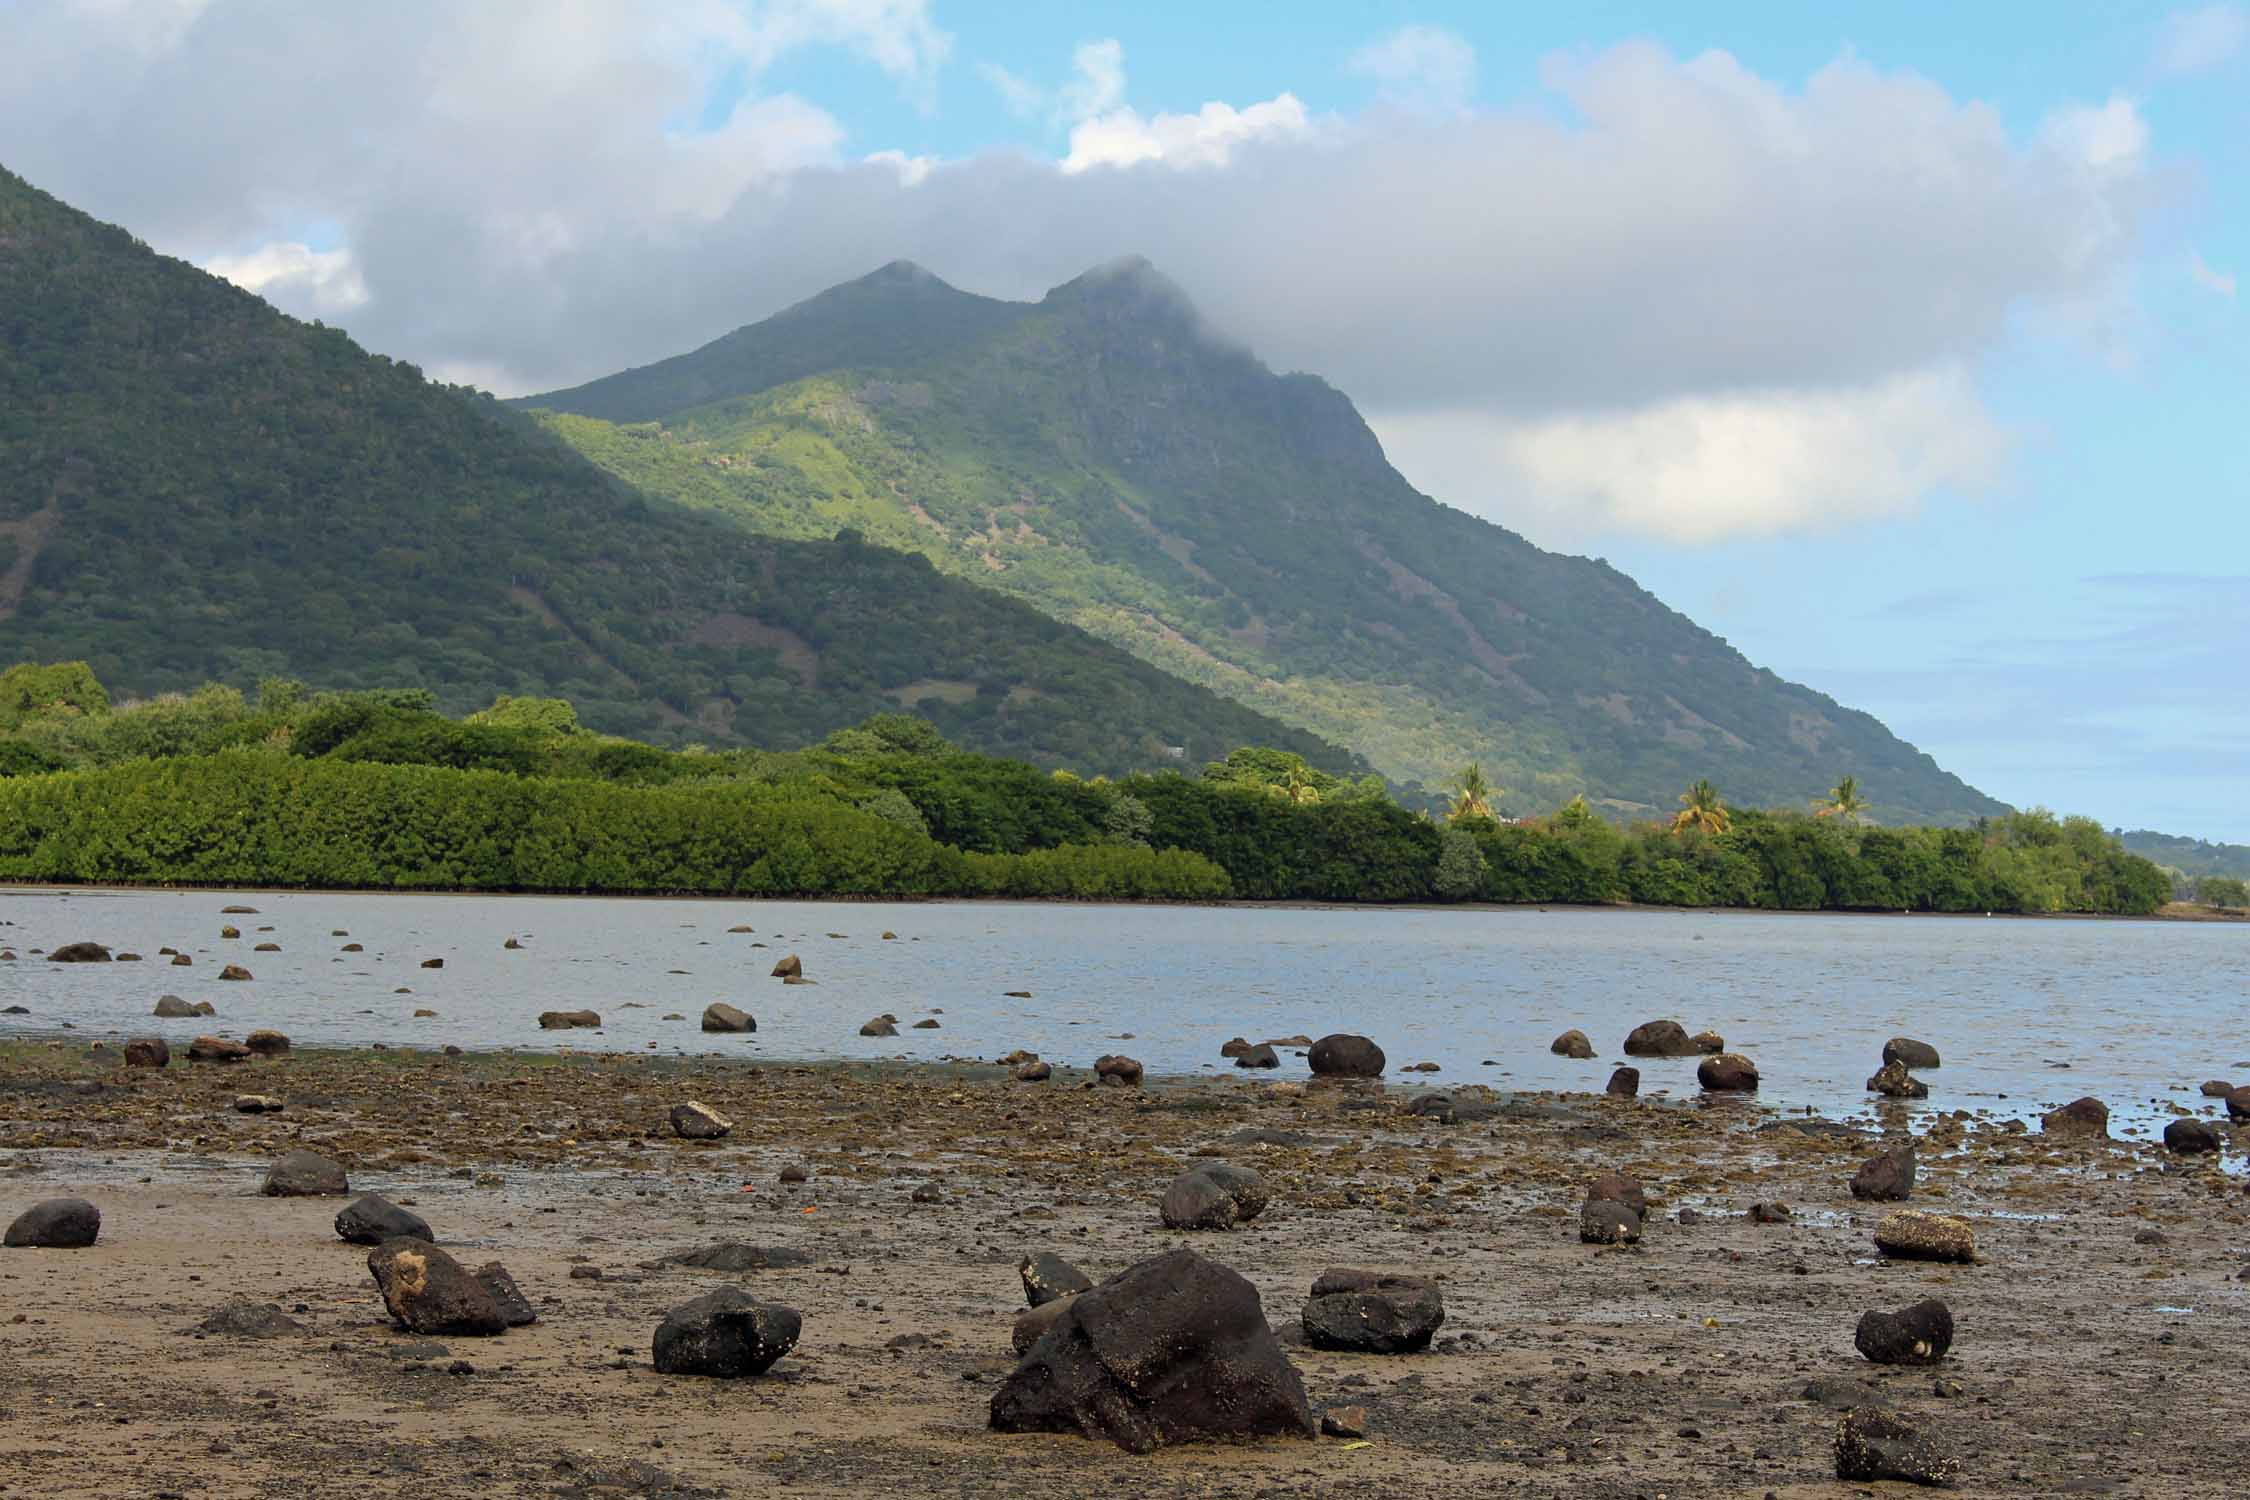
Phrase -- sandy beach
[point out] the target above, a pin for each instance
(2090, 1358)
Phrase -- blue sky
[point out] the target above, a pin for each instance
(1901, 345)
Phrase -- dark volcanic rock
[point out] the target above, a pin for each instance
(1260, 1055)
(1047, 1276)
(567, 1020)
(57, 1224)
(429, 1292)
(305, 1174)
(1615, 1187)
(250, 1320)
(216, 1049)
(1660, 1039)
(1213, 1197)
(1343, 1055)
(2190, 1136)
(1117, 1068)
(1604, 1221)
(2085, 1119)
(723, 1017)
(79, 953)
(147, 1052)
(1919, 1335)
(507, 1298)
(1887, 1176)
(1873, 1445)
(1910, 1053)
(1728, 1073)
(734, 1256)
(1032, 1323)
(1372, 1312)
(1572, 1043)
(1173, 1350)
(373, 1218)
(1625, 1083)
(725, 1334)
(1893, 1081)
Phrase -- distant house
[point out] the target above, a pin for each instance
(1175, 752)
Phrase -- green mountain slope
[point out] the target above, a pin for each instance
(193, 486)
(1102, 456)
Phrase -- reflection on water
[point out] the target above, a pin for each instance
(2027, 1014)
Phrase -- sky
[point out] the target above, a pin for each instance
(1902, 345)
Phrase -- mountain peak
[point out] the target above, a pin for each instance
(1129, 284)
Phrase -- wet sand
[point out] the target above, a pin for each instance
(2086, 1362)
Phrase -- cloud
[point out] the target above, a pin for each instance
(1420, 67)
(1698, 468)
(1098, 82)
(2218, 283)
(326, 278)
(1023, 97)
(1651, 245)
(2196, 41)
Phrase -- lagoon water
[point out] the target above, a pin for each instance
(2028, 1014)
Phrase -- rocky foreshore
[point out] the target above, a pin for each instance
(1411, 1283)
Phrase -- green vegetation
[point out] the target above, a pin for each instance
(199, 489)
(1098, 455)
(2223, 891)
(375, 789)
(2189, 861)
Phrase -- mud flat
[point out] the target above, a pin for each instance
(2096, 1346)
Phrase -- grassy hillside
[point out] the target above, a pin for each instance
(1100, 455)
(195, 487)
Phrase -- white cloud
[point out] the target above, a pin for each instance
(2218, 283)
(2105, 138)
(2196, 41)
(912, 170)
(1207, 138)
(1097, 85)
(1420, 67)
(1699, 468)
(326, 278)
(1023, 97)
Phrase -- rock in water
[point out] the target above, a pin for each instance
(725, 1334)
(2191, 1136)
(428, 1291)
(1709, 1043)
(235, 973)
(216, 1049)
(514, 1307)
(250, 1320)
(1907, 1052)
(1604, 1221)
(1887, 1176)
(373, 1218)
(1728, 1073)
(2216, 1088)
(1119, 1069)
(1919, 1335)
(1259, 1055)
(57, 1224)
(2082, 1119)
(1625, 1083)
(567, 1020)
(724, 1017)
(1343, 1055)
(1047, 1276)
(1034, 1072)
(2238, 1103)
(880, 1026)
(173, 1008)
(1873, 1445)
(1572, 1043)
(790, 967)
(79, 953)
(699, 1122)
(1893, 1081)
(1660, 1039)
(1911, 1234)
(1173, 1350)
(147, 1052)
(305, 1174)
(1373, 1312)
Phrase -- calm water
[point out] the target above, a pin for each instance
(2138, 1010)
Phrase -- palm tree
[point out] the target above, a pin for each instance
(1844, 802)
(1472, 794)
(1701, 808)
(1298, 786)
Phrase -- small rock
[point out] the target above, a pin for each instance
(173, 1008)
(1604, 1221)
(567, 1020)
(1728, 1073)
(79, 953)
(1614, 1187)
(2082, 1119)
(880, 1026)
(1572, 1043)
(250, 1320)
(1034, 1072)
(372, 1218)
(725, 1334)
(1872, 1445)
(266, 1043)
(266, 948)
(1344, 1421)
(790, 967)
(1660, 1039)
(1919, 1335)
(1372, 1312)
(216, 1049)
(1709, 1043)
(258, 1104)
(507, 1298)
(2238, 1103)
(512, 945)
(1118, 1069)
(699, 1122)
(429, 1292)
(1910, 1234)
(1047, 1276)
(234, 973)
(433, 963)
(1909, 1053)
(181, 961)
(792, 1176)
(2217, 1088)
(927, 1023)
(1260, 1055)
(724, 1017)
(735, 1256)
(2191, 1136)
(1213, 1197)
(147, 1052)
(1887, 1176)
(1893, 1081)
(1625, 1083)
(305, 1174)
(57, 1224)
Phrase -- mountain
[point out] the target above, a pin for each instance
(1105, 455)
(2192, 857)
(193, 486)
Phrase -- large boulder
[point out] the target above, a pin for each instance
(429, 1292)
(1343, 1055)
(1616, 1187)
(1887, 1176)
(2188, 1137)
(57, 1224)
(1173, 1350)
(173, 1008)
(305, 1174)
(790, 967)
(1258, 1055)
(1910, 1234)
(79, 953)
(147, 1052)
(371, 1219)
(1910, 1053)
(266, 1043)
(1894, 1082)
(1116, 1068)
(1605, 1221)
(1572, 1043)
(1047, 1276)
(724, 1017)
(216, 1049)
(699, 1122)
(1709, 1043)
(880, 1026)
(569, 1020)
(1032, 1323)
(2238, 1103)
(2080, 1119)
(1728, 1073)
(514, 1307)
(2216, 1088)
(235, 973)
(1371, 1312)
(1660, 1039)
(1918, 1335)
(725, 1334)
(1873, 1445)
(1624, 1083)
(1214, 1196)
